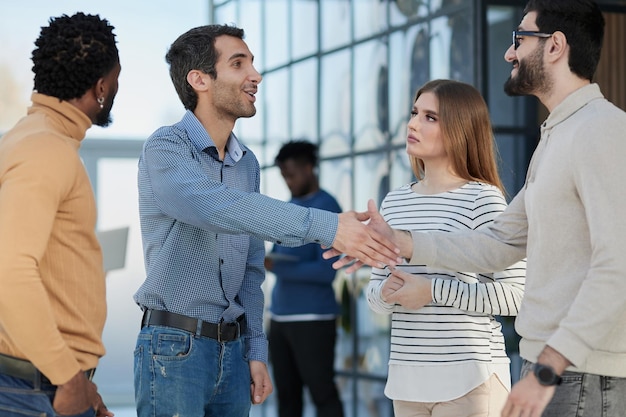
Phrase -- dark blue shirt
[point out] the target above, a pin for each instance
(303, 278)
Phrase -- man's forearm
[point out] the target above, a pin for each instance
(554, 359)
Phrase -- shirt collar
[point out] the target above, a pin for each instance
(202, 141)
(572, 103)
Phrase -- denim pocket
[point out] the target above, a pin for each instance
(171, 345)
(19, 399)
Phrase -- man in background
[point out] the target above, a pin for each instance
(52, 282)
(303, 306)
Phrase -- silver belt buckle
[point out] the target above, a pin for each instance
(219, 331)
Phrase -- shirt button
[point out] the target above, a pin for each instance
(221, 261)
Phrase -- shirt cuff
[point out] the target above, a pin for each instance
(323, 227)
(258, 349)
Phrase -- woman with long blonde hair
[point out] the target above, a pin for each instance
(447, 355)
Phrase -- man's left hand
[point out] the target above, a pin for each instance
(260, 383)
(528, 398)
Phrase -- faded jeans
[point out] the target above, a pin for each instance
(180, 374)
(19, 398)
(585, 395)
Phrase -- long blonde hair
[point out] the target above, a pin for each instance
(466, 129)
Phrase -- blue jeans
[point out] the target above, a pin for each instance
(180, 374)
(585, 395)
(20, 398)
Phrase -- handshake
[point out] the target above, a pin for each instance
(366, 239)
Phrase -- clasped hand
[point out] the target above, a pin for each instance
(408, 290)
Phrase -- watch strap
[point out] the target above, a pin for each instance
(546, 375)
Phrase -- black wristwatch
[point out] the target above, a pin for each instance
(546, 375)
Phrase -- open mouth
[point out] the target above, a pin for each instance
(251, 94)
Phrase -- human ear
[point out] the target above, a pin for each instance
(558, 45)
(197, 80)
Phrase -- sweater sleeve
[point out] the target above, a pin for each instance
(491, 248)
(497, 293)
(373, 292)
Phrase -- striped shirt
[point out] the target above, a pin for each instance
(456, 335)
(203, 223)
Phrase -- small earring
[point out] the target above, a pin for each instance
(100, 101)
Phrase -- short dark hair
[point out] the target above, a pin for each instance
(583, 25)
(300, 150)
(195, 50)
(72, 53)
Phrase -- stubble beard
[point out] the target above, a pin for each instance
(229, 102)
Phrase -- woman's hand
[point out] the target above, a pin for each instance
(408, 290)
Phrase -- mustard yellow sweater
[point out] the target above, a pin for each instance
(52, 284)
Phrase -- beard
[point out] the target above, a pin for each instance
(104, 119)
(235, 108)
(531, 76)
(228, 102)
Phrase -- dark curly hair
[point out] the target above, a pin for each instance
(195, 50)
(72, 53)
(298, 150)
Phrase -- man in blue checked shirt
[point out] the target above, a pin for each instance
(201, 350)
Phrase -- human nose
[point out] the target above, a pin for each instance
(256, 76)
(510, 55)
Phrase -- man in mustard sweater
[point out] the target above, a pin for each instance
(52, 297)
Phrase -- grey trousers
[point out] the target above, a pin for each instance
(586, 395)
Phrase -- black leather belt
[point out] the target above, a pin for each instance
(223, 332)
(23, 369)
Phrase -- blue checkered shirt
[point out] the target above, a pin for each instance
(203, 223)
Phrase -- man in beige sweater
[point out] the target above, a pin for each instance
(52, 297)
(568, 220)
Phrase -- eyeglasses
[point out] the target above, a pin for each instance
(517, 34)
